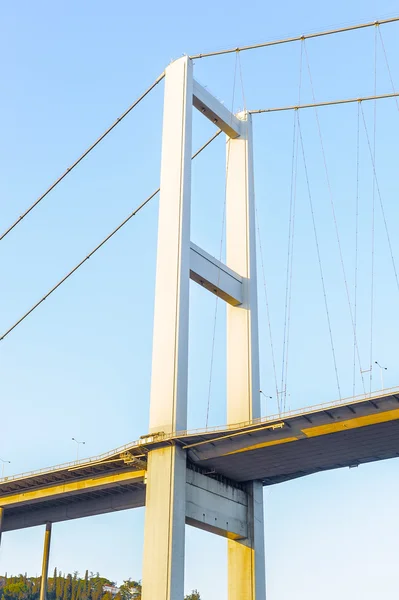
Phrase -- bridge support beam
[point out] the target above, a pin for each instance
(216, 506)
(246, 558)
(164, 531)
(46, 557)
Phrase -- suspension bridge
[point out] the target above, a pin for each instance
(212, 478)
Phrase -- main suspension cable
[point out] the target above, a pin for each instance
(104, 241)
(82, 156)
(326, 103)
(297, 38)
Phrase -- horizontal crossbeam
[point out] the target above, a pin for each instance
(211, 505)
(216, 507)
(215, 276)
(215, 111)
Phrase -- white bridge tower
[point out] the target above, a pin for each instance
(176, 495)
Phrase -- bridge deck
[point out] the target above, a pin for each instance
(272, 450)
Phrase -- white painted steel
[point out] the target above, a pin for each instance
(168, 408)
(216, 277)
(164, 531)
(243, 399)
(215, 111)
(246, 559)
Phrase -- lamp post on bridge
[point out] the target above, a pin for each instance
(382, 369)
(2, 467)
(77, 449)
(266, 399)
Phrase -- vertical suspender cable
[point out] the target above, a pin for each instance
(319, 258)
(283, 389)
(220, 258)
(373, 218)
(380, 200)
(388, 67)
(279, 408)
(356, 247)
(291, 237)
(334, 215)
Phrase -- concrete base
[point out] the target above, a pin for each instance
(246, 558)
(164, 530)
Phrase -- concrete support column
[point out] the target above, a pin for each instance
(164, 531)
(246, 558)
(1, 521)
(243, 398)
(46, 557)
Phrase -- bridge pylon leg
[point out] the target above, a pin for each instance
(46, 558)
(246, 558)
(164, 531)
(1, 521)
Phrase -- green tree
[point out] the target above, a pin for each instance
(130, 590)
(193, 596)
(67, 588)
(71, 587)
(86, 585)
(59, 587)
(16, 590)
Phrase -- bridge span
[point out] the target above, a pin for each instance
(209, 478)
(220, 462)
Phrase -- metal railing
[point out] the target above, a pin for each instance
(67, 465)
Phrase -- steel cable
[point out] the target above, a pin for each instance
(82, 156)
(220, 258)
(104, 241)
(290, 251)
(297, 38)
(319, 258)
(380, 199)
(338, 238)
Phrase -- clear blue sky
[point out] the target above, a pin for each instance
(80, 365)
